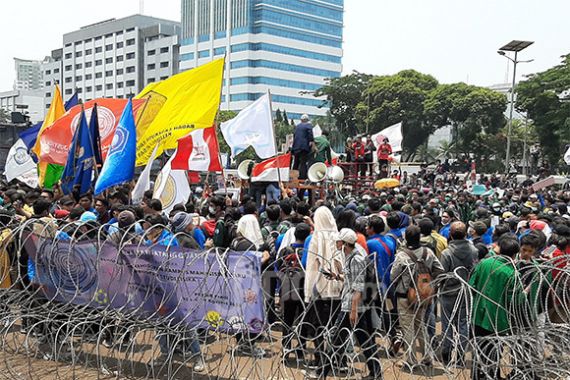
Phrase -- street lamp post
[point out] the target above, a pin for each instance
(514, 46)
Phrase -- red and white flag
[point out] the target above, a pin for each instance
(198, 152)
(266, 171)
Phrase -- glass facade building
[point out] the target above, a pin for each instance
(289, 47)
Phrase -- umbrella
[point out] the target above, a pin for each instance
(386, 183)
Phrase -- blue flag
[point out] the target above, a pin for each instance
(79, 167)
(119, 166)
(71, 102)
(95, 137)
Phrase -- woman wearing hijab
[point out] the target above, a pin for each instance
(321, 294)
(249, 236)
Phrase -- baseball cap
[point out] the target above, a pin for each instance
(87, 216)
(347, 235)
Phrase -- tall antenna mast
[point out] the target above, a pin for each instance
(141, 7)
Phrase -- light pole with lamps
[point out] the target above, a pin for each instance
(514, 46)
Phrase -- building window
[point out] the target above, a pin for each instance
(78, 53)
(151, 52)
(109, 47)
(219, 51)
(119, 71)
(98, 87)
(98, 38)
(68, 68)
(119, 45)
(88, 64)
(203, 53)
(48, 106)
(164, 78)
(130, 42)
(48, 94)
(68, 79)
(152, 66)
(119, 33)
(68, 45)
(88, 51)
(98, 75)
(78, 78)
(164, 50)
(88, 76)
(109, 60)
(77, 43)
(69, 91)
(149, 80)
(79, 66)
(130, 69)
(120, 85)
(79, 90)
(130, 55)
(98, 62)
(48, 83)
(56, 71)
(163, 64)
(109, 86)
(88, 89)
(120, 58)
(87, 40)
(109, 73)
(99, 49)
(68, 55)
(130, 30)
(130, 83)
(108, 35)
(48, 72)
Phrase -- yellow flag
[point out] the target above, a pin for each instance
(56, 110)
(177, 106)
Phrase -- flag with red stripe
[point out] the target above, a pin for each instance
(266, 171)
(198, 152)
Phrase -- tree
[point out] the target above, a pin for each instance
(278, 116)
(4, 116)
(398, 98)
(342, 97)
(545, 98)
(285, 118)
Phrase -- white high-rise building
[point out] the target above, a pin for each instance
(117, 58)
(28, 74)
(288, 47)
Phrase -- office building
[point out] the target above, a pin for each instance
(117, 58)
(288, 47)
(28, 74)
(52, 68)
(28, 102)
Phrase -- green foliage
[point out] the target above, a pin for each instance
(545, 98)
(285, 118)
(278, 116)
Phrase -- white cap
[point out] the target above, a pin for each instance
(305, 117)
(347, 235)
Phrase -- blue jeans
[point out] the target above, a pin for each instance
(453, 322)
(273, 193)
(171, 342)
(429, 319)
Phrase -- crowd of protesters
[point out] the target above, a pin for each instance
(389, 265)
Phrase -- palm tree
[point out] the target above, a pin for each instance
(445, 149)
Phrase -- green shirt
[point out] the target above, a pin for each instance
(323, 150)
(494, 281)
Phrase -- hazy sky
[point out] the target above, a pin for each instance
(454, 40)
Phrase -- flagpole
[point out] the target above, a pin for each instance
(275, 142)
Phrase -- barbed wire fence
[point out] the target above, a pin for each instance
(98, 304)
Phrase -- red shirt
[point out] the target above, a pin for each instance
(384, 152)
(358, 150)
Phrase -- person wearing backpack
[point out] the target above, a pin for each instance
(354, 315)
(457, 261)
(412, 274)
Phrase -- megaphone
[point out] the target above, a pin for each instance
(335, 174)
(317, 172)
(243, 169)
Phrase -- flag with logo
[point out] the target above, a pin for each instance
(56, 140)
(182, 103)
(171, 187)
(394, 136)
(80, 161)
(20, 166)
(198, 152)
(119, 166)
(253, 126)
(272, 170)
(143, 183)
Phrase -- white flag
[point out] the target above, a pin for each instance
(567, 156)
(143, 184)
(317, 131)
(171, 187)
(393, 134)
(253, 126)
(19, 165)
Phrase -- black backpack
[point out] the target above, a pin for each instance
(291, 274)
(371, 292)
